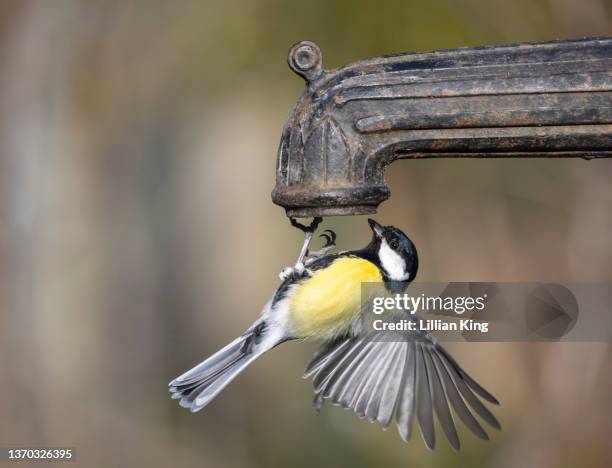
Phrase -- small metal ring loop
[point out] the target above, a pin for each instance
(306, 59)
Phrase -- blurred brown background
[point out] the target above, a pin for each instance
(127, 253)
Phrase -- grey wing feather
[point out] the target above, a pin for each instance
(369, 397)
(440, 401)
(332, 368)
(457, 402)
(379, 378)
(405, 408)
(467, 394)
(327, 352)
(466, 377)
(391, 388)
(424, 407)
(343, 389)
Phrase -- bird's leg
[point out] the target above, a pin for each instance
(299, 264)
(304, 251)
(330, 244)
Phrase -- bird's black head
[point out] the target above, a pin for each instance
(394, 252)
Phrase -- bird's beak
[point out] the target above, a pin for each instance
(376, 228)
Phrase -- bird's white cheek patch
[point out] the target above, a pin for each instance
(392, 262)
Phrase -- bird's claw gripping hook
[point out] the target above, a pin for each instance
(330, 244)
(309, 230)
(330, 239)
(299, 266)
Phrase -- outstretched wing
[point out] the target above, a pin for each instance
(378, 377)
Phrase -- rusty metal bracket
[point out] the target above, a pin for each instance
(550, 99)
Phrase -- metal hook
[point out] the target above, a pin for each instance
(307, 229)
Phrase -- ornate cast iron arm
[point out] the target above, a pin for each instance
(549, 99)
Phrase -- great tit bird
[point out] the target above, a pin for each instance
(320, 298)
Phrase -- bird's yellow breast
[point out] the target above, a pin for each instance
(331, 298)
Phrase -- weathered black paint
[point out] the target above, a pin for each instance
(549, 99)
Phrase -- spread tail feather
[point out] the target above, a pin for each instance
(197, 387)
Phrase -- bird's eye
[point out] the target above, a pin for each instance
(394, 244)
